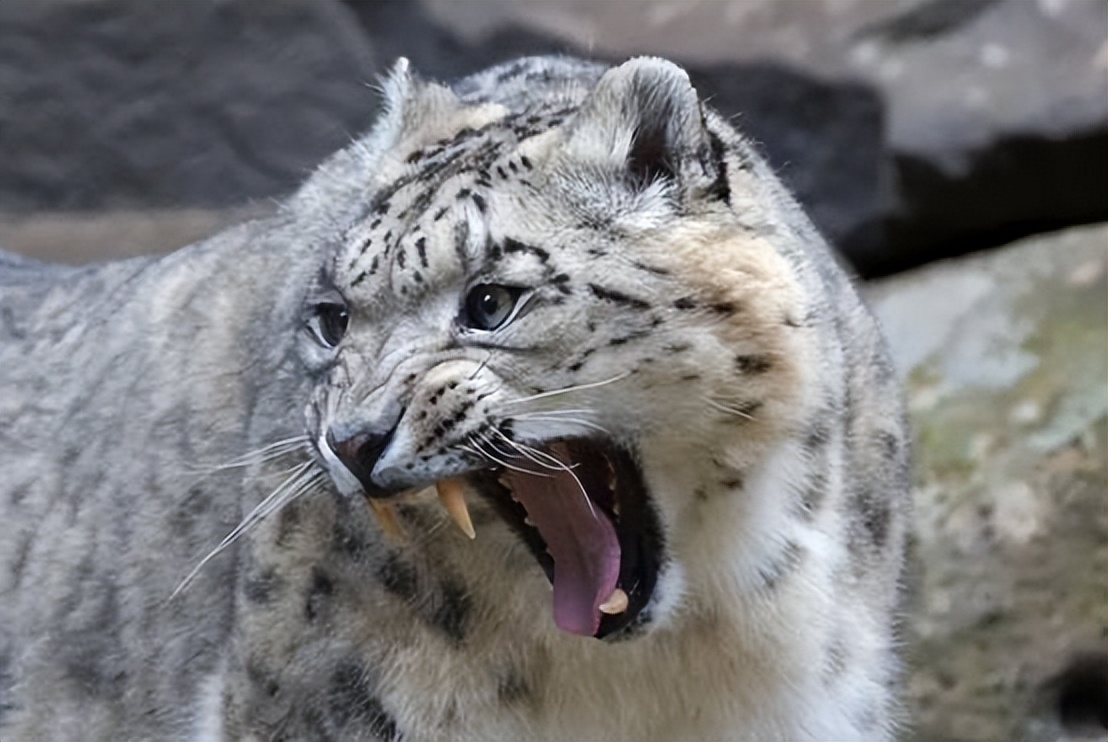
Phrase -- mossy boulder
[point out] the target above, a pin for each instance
(1005, 357)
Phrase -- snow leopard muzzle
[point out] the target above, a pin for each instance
(581, 507)
(359, 454)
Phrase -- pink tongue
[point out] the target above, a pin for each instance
(581, 539)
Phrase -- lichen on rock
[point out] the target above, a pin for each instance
(1006, 360)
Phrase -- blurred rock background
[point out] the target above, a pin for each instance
(915, 131)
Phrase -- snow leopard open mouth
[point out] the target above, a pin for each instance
(590, 525)
(579, 504)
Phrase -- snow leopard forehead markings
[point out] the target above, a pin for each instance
(430, 219)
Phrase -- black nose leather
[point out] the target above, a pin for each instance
(359, 453)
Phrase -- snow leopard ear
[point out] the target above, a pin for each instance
(411, 102)
(408, 103)
(645, 116)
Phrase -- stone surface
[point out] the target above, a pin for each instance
(123, 102)
(995, 112)
(910, 130)
(1006, 360)
(80, 237)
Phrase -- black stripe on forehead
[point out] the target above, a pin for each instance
(414, 192)
(469, 149)
(461, 243)
(469, 158)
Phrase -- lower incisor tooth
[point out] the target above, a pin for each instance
(616, 603)
(452, 496)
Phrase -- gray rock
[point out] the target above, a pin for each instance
(910, 130)
(108, 102)
(995, 112)
(998, 125)
(1006, 359)
(81, 237)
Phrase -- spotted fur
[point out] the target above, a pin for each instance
(673, 299)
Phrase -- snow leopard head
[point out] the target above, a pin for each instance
(562, 301)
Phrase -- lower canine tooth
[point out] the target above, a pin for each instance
(616, 603)
(452, 497)
(386, 518)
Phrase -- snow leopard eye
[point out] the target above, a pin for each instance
(489, 306)
(328, 323)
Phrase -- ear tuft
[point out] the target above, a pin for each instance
(397, 83)
(397, 87)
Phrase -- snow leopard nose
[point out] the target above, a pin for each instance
(359, 454)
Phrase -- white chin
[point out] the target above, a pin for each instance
(668, 595)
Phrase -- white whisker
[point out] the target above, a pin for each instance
(494, 445)
(728, 409)
(301, 479)
(480, 366)
(535, 454)
(265, 453)
(542, 417)
(530, 453)
(568, 389)
(480, 451)
(577, 411)
(584, 493)
(555, 464)
(498, 457)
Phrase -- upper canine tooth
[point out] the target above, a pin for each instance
(385, 513)
(616, 602)
(452, 496)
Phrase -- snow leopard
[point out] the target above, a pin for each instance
(540, 411)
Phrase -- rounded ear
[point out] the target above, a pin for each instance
(408, 102)
(643, 115)
(411, 102)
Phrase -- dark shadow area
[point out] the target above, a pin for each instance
(1082, 695)
(1020, 187)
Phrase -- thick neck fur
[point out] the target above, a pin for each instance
(724, 649)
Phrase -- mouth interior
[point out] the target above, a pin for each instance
(581, 507)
